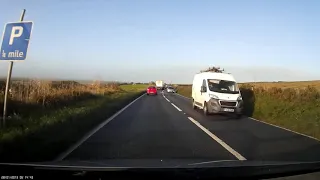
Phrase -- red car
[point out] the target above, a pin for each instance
(152, 90)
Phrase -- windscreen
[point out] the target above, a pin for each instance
(223, 86)
(104, 82)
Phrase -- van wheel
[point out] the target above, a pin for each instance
(194, 105)
(205, 109)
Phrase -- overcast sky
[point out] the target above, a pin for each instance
(142, 40)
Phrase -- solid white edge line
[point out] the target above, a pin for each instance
(90, 133)
(176, 107)
(218, 140)
(285, 129)
(269, 124)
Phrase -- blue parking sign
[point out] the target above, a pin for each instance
(15, 41)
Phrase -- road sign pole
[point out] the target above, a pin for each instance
(8, 82)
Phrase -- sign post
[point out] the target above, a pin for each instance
(14, 47)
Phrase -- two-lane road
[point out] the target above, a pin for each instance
(166, 127)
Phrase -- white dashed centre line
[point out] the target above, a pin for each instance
(218, 140)
(166, 98)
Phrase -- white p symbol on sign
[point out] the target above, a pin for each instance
(14, 34)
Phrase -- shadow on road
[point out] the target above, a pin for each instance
(219, 117)
(248, 100)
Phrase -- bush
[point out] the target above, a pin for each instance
(297, 110)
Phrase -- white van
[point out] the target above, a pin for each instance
(216, 93)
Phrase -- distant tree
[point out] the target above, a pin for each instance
(213, 69)
(152, 83)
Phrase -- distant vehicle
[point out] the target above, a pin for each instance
(152, 90)
(216, 93)
(170, 89)
(159, 84)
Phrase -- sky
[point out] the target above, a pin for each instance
(171, 40)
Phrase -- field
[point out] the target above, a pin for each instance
(134, 87)
(293, 105)
(42, 114)
(284, 85)
(185, 89)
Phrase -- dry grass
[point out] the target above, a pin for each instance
(51, 92)
(28, 96)
(29, 101)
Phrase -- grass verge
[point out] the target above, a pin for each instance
(45, 137)
(297, 110)
(184, 90)
(294, 110)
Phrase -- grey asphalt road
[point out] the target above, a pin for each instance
(153, 128)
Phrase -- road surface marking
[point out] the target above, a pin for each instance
(269, 124)
(166, 98)
(176, 107)
(182, 96)
(88, 135)
(214, 137)
(285, 129)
